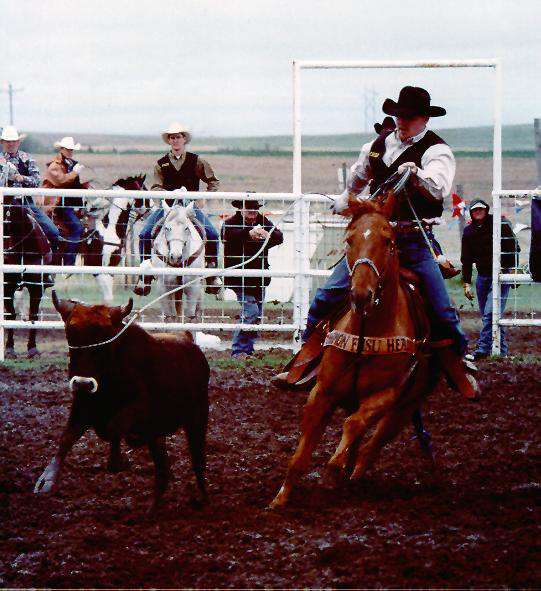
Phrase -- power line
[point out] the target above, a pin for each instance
(11, 91)
(370, 96)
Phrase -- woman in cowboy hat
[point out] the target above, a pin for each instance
(24, 172)
(65, 172)
(432, 164)
(176, 169)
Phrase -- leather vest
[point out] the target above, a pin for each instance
(415, 152)
(184, 177)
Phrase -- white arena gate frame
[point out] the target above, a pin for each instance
(297, 269)
(524, 304)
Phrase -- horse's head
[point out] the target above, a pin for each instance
(370, 251)
(132, 183)
(135, 183)
(176, 232)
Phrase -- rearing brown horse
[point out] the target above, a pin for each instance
(373, 364)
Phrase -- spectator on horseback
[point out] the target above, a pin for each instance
(432, 166)
(24, 172)
(65, 172)
(477, 249)
(176, 169)
(244, 234)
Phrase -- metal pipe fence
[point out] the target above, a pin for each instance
(311, 244)
(516, 298)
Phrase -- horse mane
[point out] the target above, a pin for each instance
(358, 207)
(130, 180)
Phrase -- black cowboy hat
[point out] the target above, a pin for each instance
(388, 123)
(246, 204)
(412, 101)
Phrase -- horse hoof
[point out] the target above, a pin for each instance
(10, 353)
(33, 352)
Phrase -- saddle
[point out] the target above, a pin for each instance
(303, 368)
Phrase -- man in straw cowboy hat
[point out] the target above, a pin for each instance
(63, 171)
(176, 169)
(432, 165)
(24, 172)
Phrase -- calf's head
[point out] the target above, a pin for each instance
(89, 325)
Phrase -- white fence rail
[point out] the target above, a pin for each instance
(524, 300)
(300, 217)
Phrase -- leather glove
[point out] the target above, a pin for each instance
(468, 292)
(341, 203)
(403, 167)
(78, 168)
(12, 171)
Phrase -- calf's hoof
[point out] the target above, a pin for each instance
(10, 353)
(33, 352)
(47, 481)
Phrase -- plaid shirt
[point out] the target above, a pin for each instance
(25, 164)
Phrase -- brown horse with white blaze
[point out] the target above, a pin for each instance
(374, 363)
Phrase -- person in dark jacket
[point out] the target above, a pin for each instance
(477, 248)
(243, 235)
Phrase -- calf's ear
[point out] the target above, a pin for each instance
(118, 313)
(64, 307)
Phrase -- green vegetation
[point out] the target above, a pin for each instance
(517, 141)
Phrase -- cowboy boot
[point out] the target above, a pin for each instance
(144, 282)
(458, 372)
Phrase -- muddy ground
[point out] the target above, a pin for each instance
(477, 525)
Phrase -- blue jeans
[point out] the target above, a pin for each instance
(75, 231)
(250, 313)
(415, 255)
(46, 224)
(484, 298)
(211, 247)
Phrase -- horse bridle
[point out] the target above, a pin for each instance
(367, 261)
(184, 262)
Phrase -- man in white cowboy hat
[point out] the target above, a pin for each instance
(24, 172)
(176, 169)
(431, 162)
(65, 172)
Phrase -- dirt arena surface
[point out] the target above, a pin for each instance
(477, 525)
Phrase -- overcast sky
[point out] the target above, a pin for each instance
(224, 67)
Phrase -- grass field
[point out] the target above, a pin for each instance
(514, 138)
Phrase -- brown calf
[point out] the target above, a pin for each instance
(137, 388)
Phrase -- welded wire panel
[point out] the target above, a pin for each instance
(523, 297)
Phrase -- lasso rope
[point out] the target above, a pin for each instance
(184, 285)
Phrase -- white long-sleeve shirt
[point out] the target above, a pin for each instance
(436, 173)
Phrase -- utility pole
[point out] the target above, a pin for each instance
(370, 96)
(537, 135)
(11, 91)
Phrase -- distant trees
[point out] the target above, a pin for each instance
(33, 146)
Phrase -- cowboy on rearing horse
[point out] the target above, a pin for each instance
(432, 166)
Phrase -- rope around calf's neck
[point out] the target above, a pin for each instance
(184, 285)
